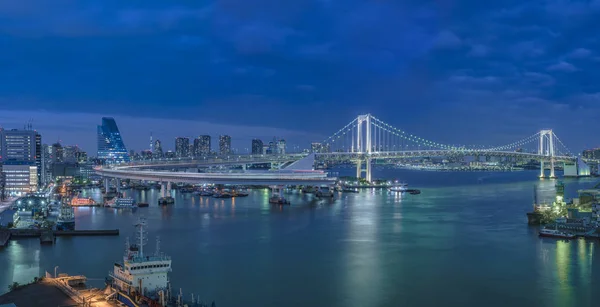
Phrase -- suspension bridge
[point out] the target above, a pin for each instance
(367, 138)
(363, 141)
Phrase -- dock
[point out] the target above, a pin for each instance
(49, 236)
(4, 237)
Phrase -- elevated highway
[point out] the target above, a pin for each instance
(298, 173)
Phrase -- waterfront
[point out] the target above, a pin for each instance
(464, 241)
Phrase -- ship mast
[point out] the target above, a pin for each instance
(141, 235)
(157, 252)
(126, 248)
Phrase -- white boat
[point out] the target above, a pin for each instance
(555, 233)
(121, 202)
(399, 188)
(144, 274)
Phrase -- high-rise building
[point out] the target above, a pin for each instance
(57, 155)
(70, 153)
(19, 145)
(20, 177)
(281, 147)
(224, 144)
(2, 184)
(22, 147)
(46, 164)
(257, 147)
(81, 156)
(110, 143)
(170, 154)
(205, 145)
(158, 151)
(202, 146)
(146, 154)
(182, 147)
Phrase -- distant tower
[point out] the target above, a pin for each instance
(151, 143)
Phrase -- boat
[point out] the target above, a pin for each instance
(143, 279)
(167, 200)
(414, 192)
(82, 201)
(66, 218)
(349, 190)
(324, 192)
(142, 205)
(278, 200)
(399, 188)
(240, 193)
(206, 193)
(555, 233)
(121, 203)
(222, 195)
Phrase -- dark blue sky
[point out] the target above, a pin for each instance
(476, 72)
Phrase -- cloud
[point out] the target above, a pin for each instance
(562, 67)
(447, 39)
(478, 51)
(580, 53)
(277, 62)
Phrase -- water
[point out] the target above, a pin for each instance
(464, 241)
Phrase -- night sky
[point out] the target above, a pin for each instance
(466, 72)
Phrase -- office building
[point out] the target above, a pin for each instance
(170, 154)
(281, 145)
(224, 144)
(2, 186)
(46, 164)
(182, 147)
(20, 177)
(158, 151)
(81, 156)
(70, 153)
(591, 153)
(202, 146)
(58, 154)
(146, 155)
(257, 147)
(110, 142)
(22, 146)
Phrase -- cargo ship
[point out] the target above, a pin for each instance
(121, 202)
(142, 280)
(66, 218)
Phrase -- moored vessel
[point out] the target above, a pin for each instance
(167, 200)
(66, 218)
(121, 202)
(555, 233)
(142, 279)
(399, 188)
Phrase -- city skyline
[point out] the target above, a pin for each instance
(303, 69)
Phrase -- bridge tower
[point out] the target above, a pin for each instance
(363, 146)
(546, 149)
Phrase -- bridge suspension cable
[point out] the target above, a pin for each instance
(514, 145)
(342, 132)
(407, 136)
(567, 151)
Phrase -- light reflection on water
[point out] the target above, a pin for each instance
(460, 243)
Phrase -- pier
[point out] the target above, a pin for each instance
(49, 236)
